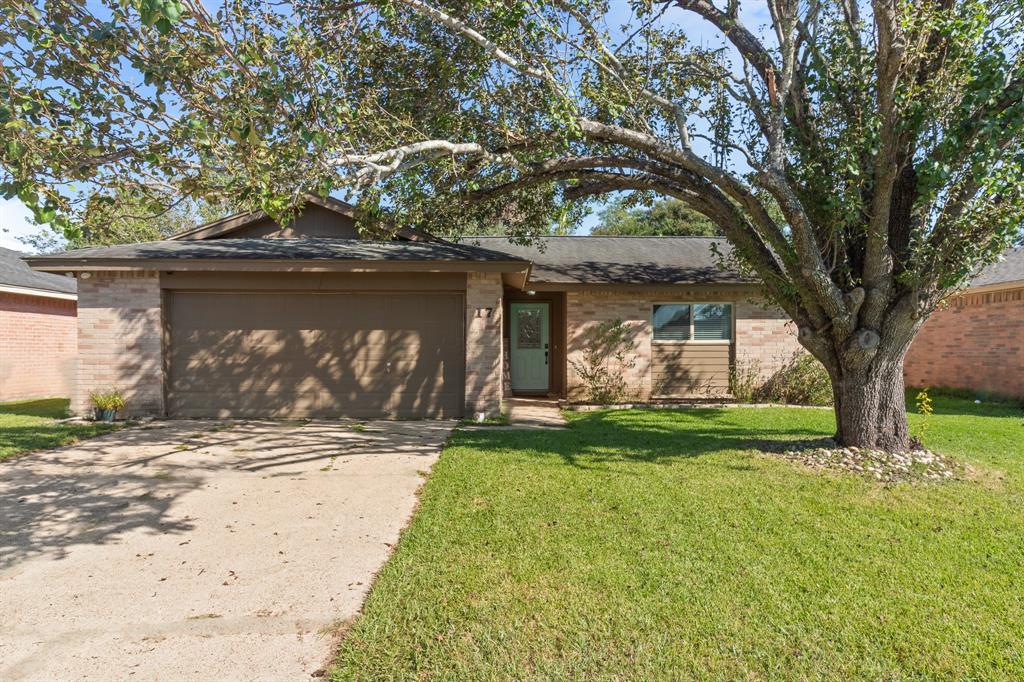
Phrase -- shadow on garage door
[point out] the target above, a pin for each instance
(315, 354)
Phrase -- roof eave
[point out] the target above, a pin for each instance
(60, 265)
(996, 286)
(619, 286)
(41, 293)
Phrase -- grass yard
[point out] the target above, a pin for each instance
(660, 545)
(30, 425)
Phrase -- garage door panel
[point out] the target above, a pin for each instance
(253, 355)
(274, 341)
(297, 383)
(290, 405)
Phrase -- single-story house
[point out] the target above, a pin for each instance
(975, 341)
(38, 331)
(245, 318)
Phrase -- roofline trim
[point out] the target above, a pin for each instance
(41, 293)
(220, 226)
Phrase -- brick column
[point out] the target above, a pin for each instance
(483, 343)
(120, 341)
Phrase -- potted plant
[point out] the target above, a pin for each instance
(106, 404)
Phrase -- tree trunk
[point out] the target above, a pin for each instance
(870, 406)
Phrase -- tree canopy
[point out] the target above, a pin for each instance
(668, 217)
(863, 158)
(126, 218)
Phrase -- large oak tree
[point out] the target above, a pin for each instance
(668, 217)
(863, 158)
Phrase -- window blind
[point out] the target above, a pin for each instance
(712, 322)
(672, 322)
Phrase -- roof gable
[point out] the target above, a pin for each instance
(320, 219)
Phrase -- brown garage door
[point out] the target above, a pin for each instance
(315, 355)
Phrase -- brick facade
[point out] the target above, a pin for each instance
(976, 342)
(38, 345)
(120, 341)
(120, 337)
(584, 310)
(765, 337)
(762, 334)
(483, 343)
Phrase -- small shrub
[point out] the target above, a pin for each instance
(107, 400)
(609, 347)
(800, 381)
(925, 409)
(745, 380)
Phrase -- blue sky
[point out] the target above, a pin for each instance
(14, 223)
(15, 219)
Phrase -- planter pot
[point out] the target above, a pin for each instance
(104, 415)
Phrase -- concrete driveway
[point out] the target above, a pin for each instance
(193, 550)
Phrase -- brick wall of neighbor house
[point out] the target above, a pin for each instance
(483, 343)
(38, 342)
(762, 333)
(976, 342)
(120, 344)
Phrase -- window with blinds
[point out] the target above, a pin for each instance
(712, 322)
(692, 321)
(672, 322)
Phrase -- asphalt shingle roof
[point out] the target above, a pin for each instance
(15, 272)
(620, 260)
(282, 249)
(1009, 269)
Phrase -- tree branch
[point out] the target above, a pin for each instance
(374, 167)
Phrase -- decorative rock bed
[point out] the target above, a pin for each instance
(919, 464)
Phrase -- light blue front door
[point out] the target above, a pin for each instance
(529, 339)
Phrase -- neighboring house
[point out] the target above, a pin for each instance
(976, 340)
(38, 331)
(241, 318)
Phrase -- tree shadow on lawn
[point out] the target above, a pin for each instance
(642, 436)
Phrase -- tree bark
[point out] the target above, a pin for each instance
(870, 406)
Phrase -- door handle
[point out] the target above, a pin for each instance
(387, 368)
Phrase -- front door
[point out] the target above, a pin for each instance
(530, 348)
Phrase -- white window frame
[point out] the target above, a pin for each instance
(691, 340)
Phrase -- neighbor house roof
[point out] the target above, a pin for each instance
(1008, 270)
(620, 260)
(17, 277)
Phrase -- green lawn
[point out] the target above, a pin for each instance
(29, 425)
(660, 545)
